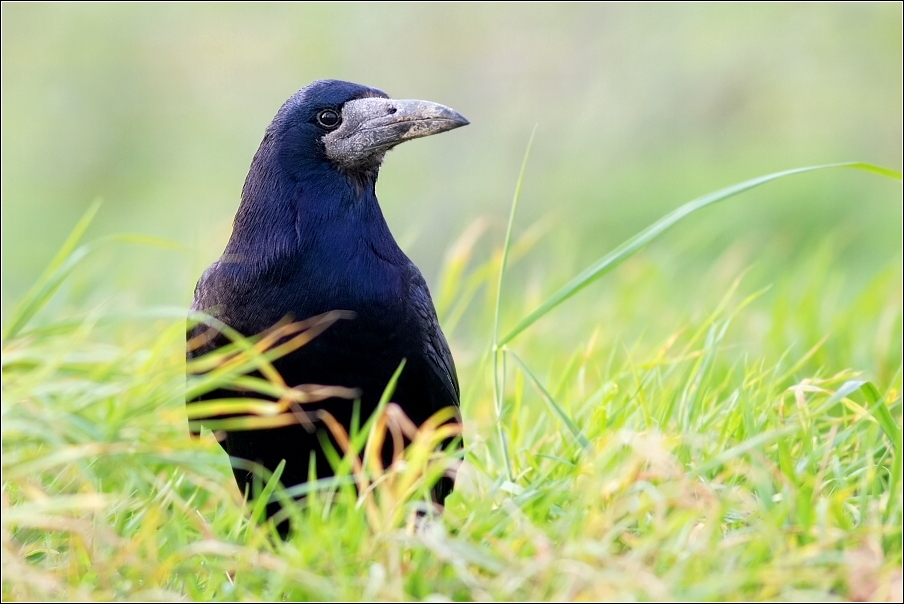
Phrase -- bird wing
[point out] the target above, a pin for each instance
(198, 303)
(443, 380)
(435, 349)
(204, 290)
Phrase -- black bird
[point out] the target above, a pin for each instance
(309, 237)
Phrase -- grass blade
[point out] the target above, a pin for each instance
(498, 380)
(553, 405)
(53, 275)
(258, 513)
(370, 427)
(64, 262)
(632, 245)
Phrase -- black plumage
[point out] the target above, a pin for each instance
(309, 237)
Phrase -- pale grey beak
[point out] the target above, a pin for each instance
(372, 126)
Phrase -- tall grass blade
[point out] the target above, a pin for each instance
(370, 427)
(892, 430)
(632, 245)
(498, 380)
(258, 513)
(63, 263)
(553, 405)
(52, 276)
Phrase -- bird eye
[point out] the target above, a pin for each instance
(328, 119)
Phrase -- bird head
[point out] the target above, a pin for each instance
(319, 159)
(353, 126)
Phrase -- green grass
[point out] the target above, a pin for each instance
(742, 441)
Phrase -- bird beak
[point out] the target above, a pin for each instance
(372, 126)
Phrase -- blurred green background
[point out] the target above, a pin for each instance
(158, 110)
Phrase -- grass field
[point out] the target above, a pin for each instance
(714, 415)
(669, 431)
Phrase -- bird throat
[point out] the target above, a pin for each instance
(363, 177)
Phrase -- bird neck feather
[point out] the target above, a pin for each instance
(312, 211)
